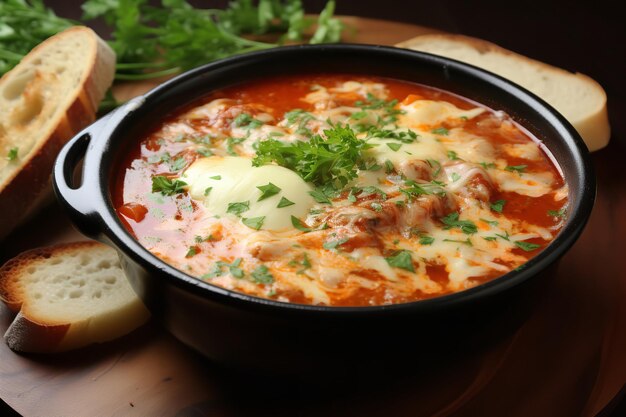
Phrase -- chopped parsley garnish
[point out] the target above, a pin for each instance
(376, 206)
(358, 115)
(516, 168)
(505, 236)
(191, 252)
(557, 213)
(452, 221)
(330, 161)
(235, 270)
(238, 207)
(284, 202)
(527, 246)
(488, 165)
(389, 168)
(440, 131)
(268, 191)
(246, 120)
(455, 177)
(404, 136)
(319, 196)
(416, 189)
(453, 156)
(204, 151)
(375, 103)
(12, 154)
(401, 259)
(434, 164)
(489, 222)
(426, 240)
(178, 164)
(218, 269)
(230, 145)
(253, 222)
(497, 205)
(332, 244)
(490, 238)
(305, 263)
(207, 190)
(394, 146)
(467, 241)
(166, 186)
(299, 224)
(261, 275)
(369, 190)
(216, 177)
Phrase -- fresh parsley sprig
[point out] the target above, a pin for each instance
(158, 41)
(330, 160)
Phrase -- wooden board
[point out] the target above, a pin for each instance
(567, 359)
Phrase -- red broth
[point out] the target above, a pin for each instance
(444, 195)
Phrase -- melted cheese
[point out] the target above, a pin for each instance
(427, 113)
(466, 168)
(234, 179)
(425, 147)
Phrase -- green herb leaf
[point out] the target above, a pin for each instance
(332, 160)
(284, 202)
(253, 222)
(557, 213)
(12, 154)
(490, 222)
(268, 191)
(527, 246)
(299, 224)
(516, 168)
(238, 208)
(216, 177)
(426, 240)
(319, 196)
(262, 275)
(497, 205)
(394, 146)
(467, 241)
(166, 186)
(440, 131)
(332, 244)
(452, 221)
(191, 252)
(401, 259)
(178, 164)
(453, 156)
(207, 190)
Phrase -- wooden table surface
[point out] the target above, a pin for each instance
(568, 359)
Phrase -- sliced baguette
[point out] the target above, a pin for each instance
(46, 99)
(579, 98)
(68, 296)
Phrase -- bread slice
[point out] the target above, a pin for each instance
(579, 98)
(45, 100)
(68, 296)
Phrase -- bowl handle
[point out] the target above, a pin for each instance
(79, 200)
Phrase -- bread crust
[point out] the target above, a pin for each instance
(32, 332)
(594, 127)
(29, 188)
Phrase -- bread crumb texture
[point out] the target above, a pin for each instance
(80, 286)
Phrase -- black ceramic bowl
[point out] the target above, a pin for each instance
(254, 333)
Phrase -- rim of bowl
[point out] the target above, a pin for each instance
(113, 229)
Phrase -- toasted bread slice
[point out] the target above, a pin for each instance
(576, 96)
(46, 99)
(68, 296)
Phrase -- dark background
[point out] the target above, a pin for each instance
(582, 36)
